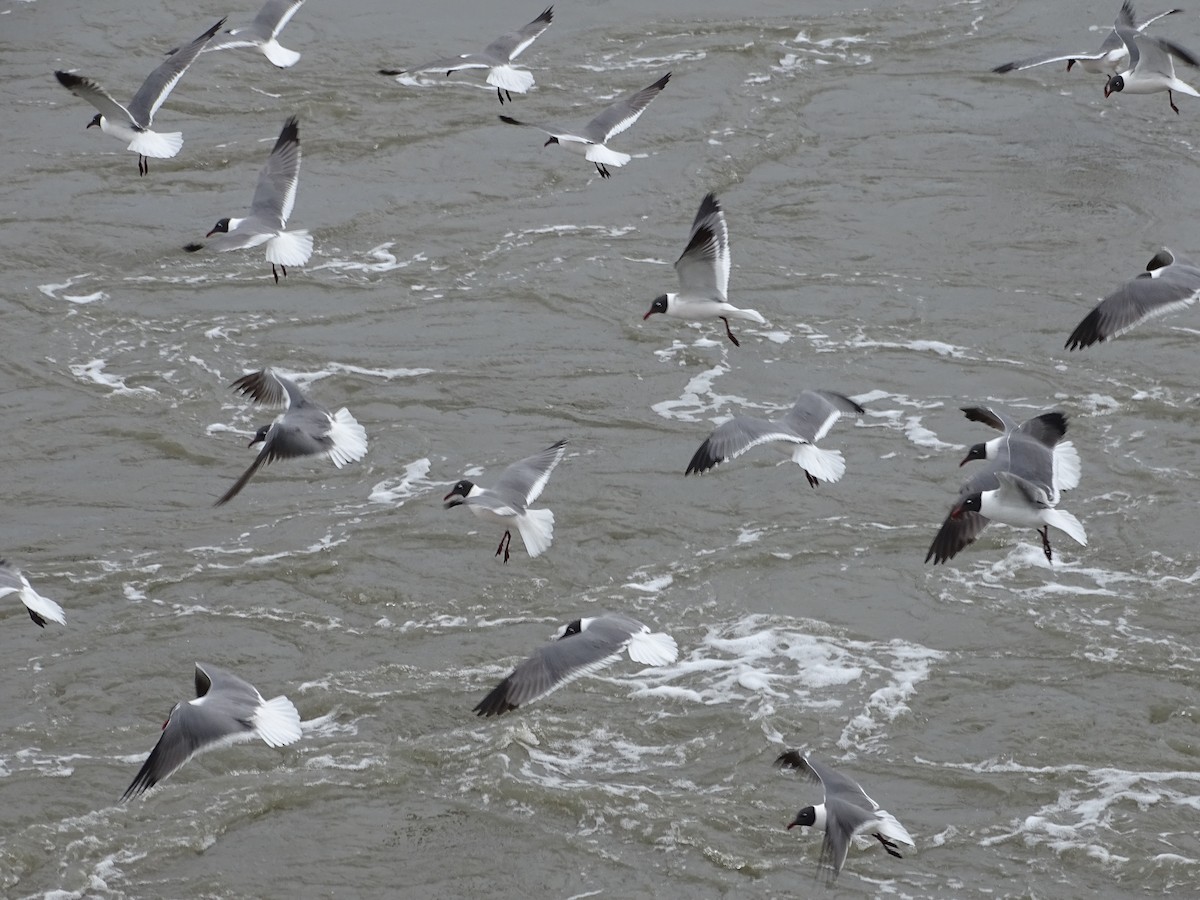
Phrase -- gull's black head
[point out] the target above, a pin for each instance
(552, 140)
(572, 629)
(260, 435)
(970, 504)
(458, 494)
(95, 123)
(221, 227)
(658, 306)
(979, 451)
(806, 816)
(1114, 85)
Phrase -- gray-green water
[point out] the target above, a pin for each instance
(919, 233)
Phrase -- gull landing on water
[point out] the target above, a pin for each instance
(1108, 60)
(1169, 283)
(580, 648)
(133, 123)
(508, 500)
(703, 272)
(591, 140)
(261, 33)
(805, 423)
(39, 608)
(273, 201)
(227, 710)
(846, 813)
(304, 429)
(496, 57)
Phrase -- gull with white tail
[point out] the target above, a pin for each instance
(797, 432)
(132, 123)
(580, 648)
(508, 500)
(227, 710)
(262, 34)
(274, 198)
(304, 428)
(39, 608)
(1150, 68)
(703, 272)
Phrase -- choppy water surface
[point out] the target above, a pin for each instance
(919, 235)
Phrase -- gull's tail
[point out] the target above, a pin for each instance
(537, 530)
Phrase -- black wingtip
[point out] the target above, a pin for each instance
(547, 16)
(791, 759)
(510, 120)
(703, 460)
(496, 702)
(392, 71)
(1006, 67)
(68, 79)
(290, 133)
(215, 28)
(662, 82)
(1086, 332)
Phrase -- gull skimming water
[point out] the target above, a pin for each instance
(1150, 68)
(132, 123)
(270, 209)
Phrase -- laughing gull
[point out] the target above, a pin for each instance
(1029, 455)
(1108, 60)
(40, 608)
(1169, 283)
(1150, 68)
(269, 210)
(261, 33)
(304, 429)
(805, 423)
(579, 648)
(1046, 429)
(133, 123)
(703, 272)
(508, 500)
(846, 813)
(227, 710)
(495, 57)
(590, 142)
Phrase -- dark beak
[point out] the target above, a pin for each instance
(966, 459)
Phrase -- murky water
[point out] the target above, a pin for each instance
(919, 234)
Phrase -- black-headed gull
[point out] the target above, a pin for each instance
(1046, 429)
(39, 608)
(1169, 283)
(591, 141)
(703, 272)
(1150, 68)
(846, 813)
(579, 648)
(496, 57)
(133, 123)
(262, 33)
(507, 501)
(304, 429)
(227, 710)
(809, 420)
(274, 198)
(1108, 60)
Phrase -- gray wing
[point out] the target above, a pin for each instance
(158, 85)
(274, 16)
(993, 418)
(195, 726)
(449, 64)
(731, 439)
(523, 481)
(270, 388)
(816, 411)
(1167, 284)
(302, 432)
(561, 133)
(238, 239)
(703, 267)
(1023, 491)
(1128, 37)
(1019, 64)
(1156, 55)
(955, 534)
(509, 46)
(86, 89)
(275, 194)
(1046, 428)
(558, 663)
(847, 807)
(10, 579)
(620, 115)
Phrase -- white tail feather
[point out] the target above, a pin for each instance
(653, 648)
(156, 145)
(1064, 521)
(752, 314)
(1067, 467)
(890, 828)
(598, 153)
(825, 465)
(509, 79)
(43, 606)
(290, 248)
(349, 439)
(278, 55)
(277, 722)
(537, 530)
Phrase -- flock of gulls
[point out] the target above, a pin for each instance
(1018, 479)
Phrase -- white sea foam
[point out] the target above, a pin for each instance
(699, 398)
(51, 291)
(412, 483)
(93, 372)
(383, 261)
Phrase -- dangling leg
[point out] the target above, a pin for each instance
(143, 165)
(273, 272)
(507, 94)
(812, 482)
(504, 542)
(499, 96)
(888, 846)
(1172, 99)
(602, 170)
(284, 269)
(1045, 533)
(735, 340)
